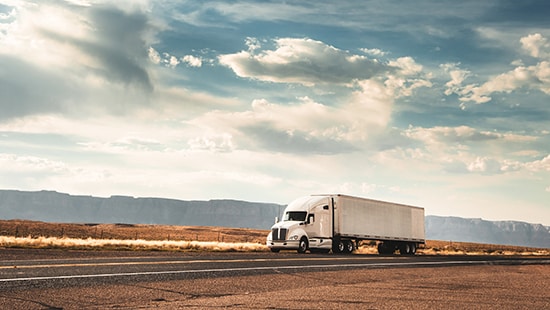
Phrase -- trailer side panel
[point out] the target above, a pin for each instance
(372, 219)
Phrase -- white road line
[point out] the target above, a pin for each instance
(94, 264)
(105, 275)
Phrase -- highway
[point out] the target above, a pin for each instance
(97, 279)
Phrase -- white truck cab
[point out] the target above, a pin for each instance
(306, 224)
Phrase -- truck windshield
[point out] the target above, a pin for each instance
(295, 216)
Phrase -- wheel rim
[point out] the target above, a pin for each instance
(349, 247)
(341, 247)
(302, 246)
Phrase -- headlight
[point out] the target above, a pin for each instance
(293, 237)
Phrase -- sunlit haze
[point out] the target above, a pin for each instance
(439, 104)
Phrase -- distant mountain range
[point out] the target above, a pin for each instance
(482, 231)
(50, 206)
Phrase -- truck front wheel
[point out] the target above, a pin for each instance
(303, 245)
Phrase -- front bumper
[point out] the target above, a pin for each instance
(283, 244)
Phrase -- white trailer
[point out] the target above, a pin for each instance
(338, 223)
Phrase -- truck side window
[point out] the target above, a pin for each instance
(311, 218)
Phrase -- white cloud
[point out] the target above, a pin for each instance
(253, 44)
(315, 64)
(28, 163)
(154, 56)
(457, 78)
(484, 165)
(172, 61)
(306, 126)
(440, 134)
(219, 143)
(303, 61)
(192, 60)
(465, 149)
(539, 165)
(535, 77)
(537, 45)
(374, 52)
(407, 65)
(365, 112)
(74, 59)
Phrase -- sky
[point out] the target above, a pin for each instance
(438, 104)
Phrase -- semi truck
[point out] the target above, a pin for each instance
(339, 223)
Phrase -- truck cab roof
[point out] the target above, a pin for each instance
(305, 203)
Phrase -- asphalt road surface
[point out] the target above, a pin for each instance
(55, 279)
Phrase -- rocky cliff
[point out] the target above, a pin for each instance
(482, 231)
(51, 206)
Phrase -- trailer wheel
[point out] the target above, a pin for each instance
(303, 245)
(348, 246)
(386, 248)
(413, 248)
(405, 248)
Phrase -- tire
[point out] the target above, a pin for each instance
(275, 250)
(405, 249)
(413, 248)
(349, 247)
(386, 248)
(339, 248)
(381, 248)
(303, 245)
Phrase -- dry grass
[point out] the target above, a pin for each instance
(31, 234)
(34, 229)
(134, 245)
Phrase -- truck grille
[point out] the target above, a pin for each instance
(278, 234)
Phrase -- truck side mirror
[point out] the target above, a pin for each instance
(310, 218)
(276, 219)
